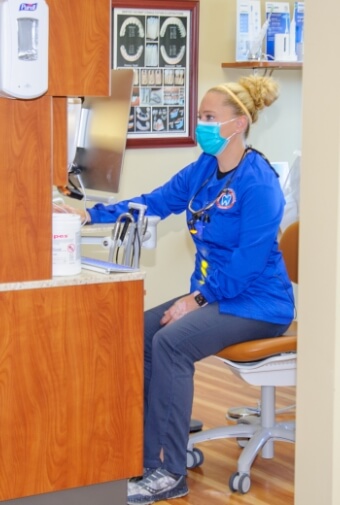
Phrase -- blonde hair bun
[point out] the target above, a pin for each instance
(249, 95)
(262, 89)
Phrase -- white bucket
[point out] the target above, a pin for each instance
(66, 257)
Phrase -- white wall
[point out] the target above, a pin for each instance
(277, 134)
(318, 387)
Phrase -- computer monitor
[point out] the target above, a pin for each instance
(97, 128)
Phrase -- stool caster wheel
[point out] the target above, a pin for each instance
(194, 458)
(240, 483)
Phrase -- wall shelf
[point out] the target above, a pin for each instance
(287, 65)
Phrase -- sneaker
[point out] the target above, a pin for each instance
(146, 472)
(135, 480)
(158, 485)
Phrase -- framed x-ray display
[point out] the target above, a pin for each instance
(158, 39)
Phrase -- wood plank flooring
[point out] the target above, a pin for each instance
(216, 390)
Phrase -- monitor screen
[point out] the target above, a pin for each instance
(100, 135)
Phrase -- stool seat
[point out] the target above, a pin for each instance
(255, 350)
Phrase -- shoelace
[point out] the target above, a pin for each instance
(157, 474)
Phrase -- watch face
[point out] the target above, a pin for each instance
(200, 300)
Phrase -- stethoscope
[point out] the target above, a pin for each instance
(202, 214)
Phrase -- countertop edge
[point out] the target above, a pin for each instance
(85, 277)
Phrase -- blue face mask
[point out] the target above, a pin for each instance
(209, 138)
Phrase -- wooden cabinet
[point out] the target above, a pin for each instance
(26, 187)
(71, 362)
(79, 47)
(33, 134)
(71, 387)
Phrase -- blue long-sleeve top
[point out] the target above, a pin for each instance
(237, 261)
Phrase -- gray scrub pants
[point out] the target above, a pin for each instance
(170, 353)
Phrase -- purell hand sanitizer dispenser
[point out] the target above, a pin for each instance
(23, 49)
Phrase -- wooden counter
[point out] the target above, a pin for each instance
(71, 379)
(71, 349)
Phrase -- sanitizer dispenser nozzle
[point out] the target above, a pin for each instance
(23, 48)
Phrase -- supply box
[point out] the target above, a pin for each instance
(248, 26)
(299, 13)
(284, 40)
(277, 38)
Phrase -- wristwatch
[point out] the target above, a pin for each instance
(200, 300)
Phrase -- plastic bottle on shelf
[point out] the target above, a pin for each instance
(292, 38)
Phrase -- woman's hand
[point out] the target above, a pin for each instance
(179, 309)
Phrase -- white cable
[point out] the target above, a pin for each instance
(84, 200)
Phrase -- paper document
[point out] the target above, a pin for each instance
(104, 267)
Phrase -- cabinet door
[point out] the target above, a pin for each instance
(71, 387)
(25, 182)
(79, 47)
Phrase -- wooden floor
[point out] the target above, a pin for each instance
(216, 390)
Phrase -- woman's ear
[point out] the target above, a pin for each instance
(241, 124)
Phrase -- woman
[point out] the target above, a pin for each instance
(239, 289)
